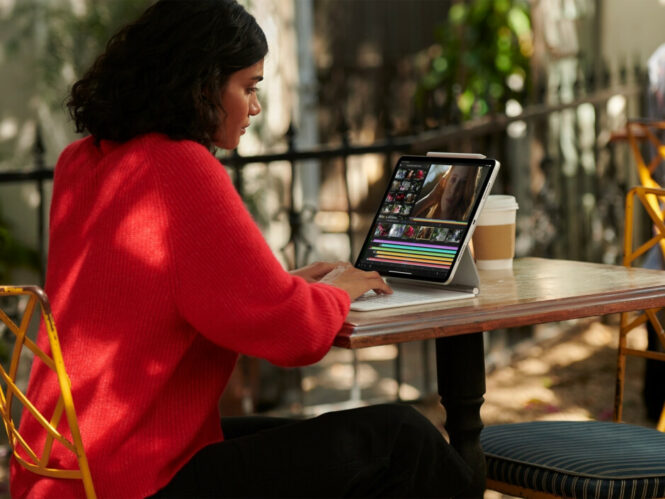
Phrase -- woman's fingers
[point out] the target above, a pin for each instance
(315, 271)
(356, 282)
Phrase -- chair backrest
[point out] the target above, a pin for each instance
(640, 131)
(650, 199)
(651, 131)
(33, 460)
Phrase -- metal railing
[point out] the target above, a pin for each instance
(576, 201)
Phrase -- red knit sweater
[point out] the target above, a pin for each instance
(158, 279)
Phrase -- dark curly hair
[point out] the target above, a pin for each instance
(165, 72)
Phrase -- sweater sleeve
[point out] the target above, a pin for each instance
(228, 284)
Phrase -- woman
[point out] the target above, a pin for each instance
(155, 300)
(451, 197)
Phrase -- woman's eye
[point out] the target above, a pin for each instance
(252, 90)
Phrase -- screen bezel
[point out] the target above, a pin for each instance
(421, 274)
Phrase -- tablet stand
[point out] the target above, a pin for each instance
(466, 278)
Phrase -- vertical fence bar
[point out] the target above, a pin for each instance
(295, 222)
(355, 394)
(237, 167)
(344, 153)
(39, 165)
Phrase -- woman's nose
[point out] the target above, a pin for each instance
(254, 106)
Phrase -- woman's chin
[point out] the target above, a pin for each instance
(228, 145)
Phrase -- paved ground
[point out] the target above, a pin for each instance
(568, 376)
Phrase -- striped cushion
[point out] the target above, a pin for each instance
(577, 458)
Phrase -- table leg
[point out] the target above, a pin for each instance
(460, 366)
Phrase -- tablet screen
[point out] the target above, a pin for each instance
(424, 220)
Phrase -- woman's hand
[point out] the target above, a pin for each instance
(356, 282)
(317, 270)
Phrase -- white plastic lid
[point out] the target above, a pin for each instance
(496, 202)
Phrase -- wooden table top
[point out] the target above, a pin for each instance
(536, 290)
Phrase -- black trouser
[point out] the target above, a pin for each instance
(383, 450)
(654, 377)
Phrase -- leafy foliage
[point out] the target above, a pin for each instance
(480, 60)
(63, 40)
(13, 253)
(57, 43)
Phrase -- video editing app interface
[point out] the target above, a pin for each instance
(424, 218)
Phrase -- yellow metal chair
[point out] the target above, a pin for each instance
(545, 459)
(30, 459)
(645, 137)
(651, 199)
(639, 132)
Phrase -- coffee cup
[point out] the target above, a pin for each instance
(494, 237)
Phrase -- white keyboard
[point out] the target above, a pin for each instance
(404, 295)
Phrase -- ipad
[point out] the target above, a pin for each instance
(427, 216)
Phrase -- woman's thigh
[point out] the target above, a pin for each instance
(243, 426)
(372, 451)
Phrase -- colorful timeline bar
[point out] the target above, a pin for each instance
(420, 254)
(415, 245)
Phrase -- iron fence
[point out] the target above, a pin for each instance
(568, 177)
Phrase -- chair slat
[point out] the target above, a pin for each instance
(35, 412)
(57, 413)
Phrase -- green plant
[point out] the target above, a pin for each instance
(480, 60)
(63, 38)
(13, 253)
(56, 42)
